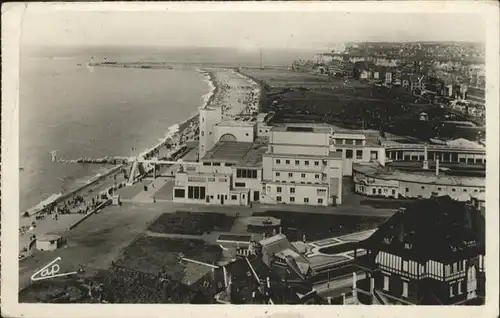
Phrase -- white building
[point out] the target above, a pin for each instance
(209, 117)
(354, 146)
(371, 179)
(229, 174)
(263, 128)
(299, 167)
(242, 129)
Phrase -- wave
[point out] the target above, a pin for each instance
(172, 132)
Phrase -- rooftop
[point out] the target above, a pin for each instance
(48, 237)
(245, 154)
(305, 128)
(429, 177)
(450, 227)
(238, 122)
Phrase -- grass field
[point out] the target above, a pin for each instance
(192, 223)
(152, 254)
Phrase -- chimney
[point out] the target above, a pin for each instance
(437, 167)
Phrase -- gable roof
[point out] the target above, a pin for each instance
(453, 230)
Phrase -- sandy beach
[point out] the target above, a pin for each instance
(234, 92)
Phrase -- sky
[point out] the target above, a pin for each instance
(242, 29)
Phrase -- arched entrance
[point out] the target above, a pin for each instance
(228, 137)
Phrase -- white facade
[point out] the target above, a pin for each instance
(209, 117)
(235, 131)
(299, 167)
(208, 188)
(353, 148)
(229, 174)
(399, 185)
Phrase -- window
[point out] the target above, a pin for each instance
(287, 162)
(207, 163)
(373, 155)
(405, 266)
(216, 164)
(316, 163)
(349, 142)
(321, 191)
(393, 192)
(452, 190)
(195, 192)
(439, 188)
(297, 162)
(303, 175)
(246, 173)
(316, 176)
(179, 193)
(278, 198)
(292, 190)
(234, 197)
(240, 184)
(306, 200)
(374, 191)
(348, 153)
(292, 199)
(278, 161)
(277, 174)
(278, 189)
(407, 190)
(359, 154)
(386, 282)
(405, 289)
(320, 201)
(379, 191)
(465, 190)
(306, 163)
(422, 187)
(290, 174)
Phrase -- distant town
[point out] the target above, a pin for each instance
(354, 177)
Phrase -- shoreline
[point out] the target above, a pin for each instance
(176, 135)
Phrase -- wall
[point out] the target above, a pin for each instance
(208, 119)
(299, 138)
(312, 192)
(366, 156)
(242, 133)
(263, 130)
(392, 188)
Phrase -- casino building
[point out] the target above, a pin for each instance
(431, 253)
(293, 164)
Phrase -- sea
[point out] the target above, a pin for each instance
(79, 111)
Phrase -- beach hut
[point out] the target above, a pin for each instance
(48, 242)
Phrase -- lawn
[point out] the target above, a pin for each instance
(192, 223)
(136, 276)
(153, 254)
(321, 226)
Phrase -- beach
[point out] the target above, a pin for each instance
(232, 91)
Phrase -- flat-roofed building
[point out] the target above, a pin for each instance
(299, 167)
(356, 146)
(375, 180)
(458, 151)
(242, 129)
(229, 174)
